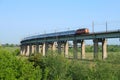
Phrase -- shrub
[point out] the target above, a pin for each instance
(13, 68)
(54, 66)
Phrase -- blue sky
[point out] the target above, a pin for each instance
(21, 18)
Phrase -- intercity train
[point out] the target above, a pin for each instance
(57, 34)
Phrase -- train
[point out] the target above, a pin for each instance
(57, 34)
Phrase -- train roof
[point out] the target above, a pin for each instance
(62, 33)
(50, 34)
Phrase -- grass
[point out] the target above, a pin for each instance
(90, 55)
(9, 49)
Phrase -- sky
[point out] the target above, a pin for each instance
(22, 18)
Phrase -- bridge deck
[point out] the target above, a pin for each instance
(109, 34)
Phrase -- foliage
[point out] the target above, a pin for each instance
(54, 66)
(110, 48)
(10, 45)
(113, 48)
(13, 68)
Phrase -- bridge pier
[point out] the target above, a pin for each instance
(66, 47)
(33, 49)
(75, 50)
(104, 49)
(27, 50)
(82, 49)
(21, 49)
(24, 50)
(44, 49)
(53, 46)
(40, 48)
(37, 48)
(95, 48)
(59, 47)
(30, 49)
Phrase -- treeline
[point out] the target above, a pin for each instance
(56, 67)
(10, 45)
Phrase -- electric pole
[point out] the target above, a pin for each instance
(106, 26)
(93, 26)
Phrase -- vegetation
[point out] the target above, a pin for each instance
(14, 68)
(56, 67)
(110, 48)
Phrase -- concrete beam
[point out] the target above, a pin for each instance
(104, 49)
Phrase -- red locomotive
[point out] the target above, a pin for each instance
(82, 31)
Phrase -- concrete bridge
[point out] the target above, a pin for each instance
(37, 44)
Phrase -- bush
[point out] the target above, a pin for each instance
(16, 52)
(77, 71)
(13, 68)
(54, 67)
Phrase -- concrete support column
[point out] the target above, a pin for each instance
(66, 47)
(95, 48)
(33, 49)
(59, 47)
(21, 49)
(82, 49)
(47, 47)
(30, 50)
(40, 49)
(44, 48)
(27, 50)
(104, 49)
(53, 46)
(37, 48)
(75, 53)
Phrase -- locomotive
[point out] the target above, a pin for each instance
(82, 31)
(57, 34)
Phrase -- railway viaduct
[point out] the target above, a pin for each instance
(41, 45)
